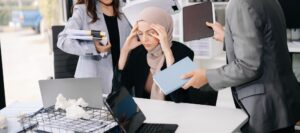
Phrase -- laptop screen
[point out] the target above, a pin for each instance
(125, 110)
(72, 88)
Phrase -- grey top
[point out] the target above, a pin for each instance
(90, 63)
(259, 65)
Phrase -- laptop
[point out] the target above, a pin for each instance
(72, 88)
(129, 116)
(132, 9)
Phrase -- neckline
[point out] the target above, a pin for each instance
(108, 16)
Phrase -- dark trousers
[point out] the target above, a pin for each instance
(290, 129)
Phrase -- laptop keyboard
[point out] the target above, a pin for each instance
(151, 128)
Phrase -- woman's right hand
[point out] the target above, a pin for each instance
(132, 40)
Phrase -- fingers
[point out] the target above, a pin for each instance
(96, 43)
(187, 75)
(161, 32)
(154, 35)
(158, 28)
(108, 45)
(101, 48)
(134, 30)
(214, 25)
(188, 84)
(210, 24)
(135, 27)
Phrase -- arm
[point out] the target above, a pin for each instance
(246, 28)
(73, 46)
(123, 57)
(245, 25)
(130, 43)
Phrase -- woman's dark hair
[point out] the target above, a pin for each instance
(92, 9)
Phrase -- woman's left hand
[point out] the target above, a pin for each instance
(161, 35)
(163, 38)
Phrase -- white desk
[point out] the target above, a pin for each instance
(193, 117)
(14, 110)
(189, 117)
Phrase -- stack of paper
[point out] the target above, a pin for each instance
(88, 35)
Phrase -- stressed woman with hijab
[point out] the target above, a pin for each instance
(149, 49)
(99, 15)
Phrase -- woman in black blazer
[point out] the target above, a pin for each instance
(136, 71)
(149, 49)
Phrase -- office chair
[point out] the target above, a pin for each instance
(2, 92)
(64, 63)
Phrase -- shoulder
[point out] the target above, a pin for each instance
(138, 51)
(253, 10)
(178, 47)
(180, 50)
(124, 20)
(251, 6)
(79, 8)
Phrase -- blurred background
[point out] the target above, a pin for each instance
(26, 44)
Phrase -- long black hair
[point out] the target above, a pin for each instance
(92, 9)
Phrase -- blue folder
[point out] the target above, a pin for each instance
(168, 80)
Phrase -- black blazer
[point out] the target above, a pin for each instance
(136, 70)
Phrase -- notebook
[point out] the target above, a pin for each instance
(168, 80)
(194, 18)
(129, 116)
(72, 88)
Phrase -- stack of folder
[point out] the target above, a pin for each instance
(88, 35)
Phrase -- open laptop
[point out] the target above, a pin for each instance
(132, 9)
(129, 116)
(72, 88)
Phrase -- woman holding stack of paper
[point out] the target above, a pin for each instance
(96, 32)
(151, 53)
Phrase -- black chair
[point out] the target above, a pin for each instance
(2, 93)
(64, 63)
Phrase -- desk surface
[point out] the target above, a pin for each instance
(189, 117)
(193, 117)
